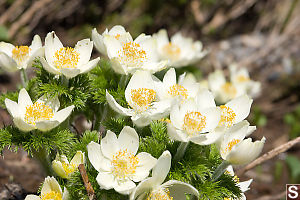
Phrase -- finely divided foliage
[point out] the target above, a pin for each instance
(150, 133)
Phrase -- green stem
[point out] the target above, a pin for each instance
(220, 170)
(43, 158)
(24, 78)
(64, 81)
(180, 151)
(124, 80)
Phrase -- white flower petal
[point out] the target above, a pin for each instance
(162, 168)
(160, 109)
(106, 180)
(178, 189)
(245, 152)
(50, 184)
(244, 186)
(7, 63)
(207, 139)
(241, 107)
(78, 158)
(24, 99)
(58, 168)
(89, 65)
(216, 80)
(49, 67)
(53, 102)
(170, 78)
(23, 126)
(125, 187)
(142, 188)
(129, 139)
(84, 48)
(63, 114)
(36, 43)
(66, 194)
(96, 157)
(176, 134)
(205, 99)
(52, 44)
(117, 67)
(12, 107)
(162, 38)
(6, 48)
(70, 72)
(117, 29)
(112, 46)
(141, 120)
(251, 129)
(98, 42)
(116, 107)
(38, 53)
(32, 197)
(213, 116)
(176, 117)
(155, 66)
(109, 145)
(146, 163)
(46, 125)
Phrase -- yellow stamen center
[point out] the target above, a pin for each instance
(242, 78)
(227, 116)
(20, 54)
(69, 168)
(231, 144)
(124, 164)
(38, 112)
(142, 98)
(132, 55)
(229, 89)
(66, 57)
(161, 194)
(194, 122)
(172, 50)
(52, 196)
(178, 90)
(117, 36)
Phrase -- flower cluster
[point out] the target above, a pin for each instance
(193, 114)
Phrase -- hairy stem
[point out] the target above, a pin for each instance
(42, 157)
(181, 151)
(220, 170)
(24, 78)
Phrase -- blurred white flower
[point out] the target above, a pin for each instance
(67, 60)
(117, 32)
(241, 77)
(244, 186)
(117, 163)
(237, 150)
(153, 188)
(179, 50)
(195, 117)
(63, 168)
(50, 190)
(142, 96)
(42, 115)
(128, 56)
(186, 87)
(13, 58)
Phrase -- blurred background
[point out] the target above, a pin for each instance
(263, 36)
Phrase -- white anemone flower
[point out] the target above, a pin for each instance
(13, 58)
(117, 31)
(179, 50)
(185, 88)
(195, 120)
(244, 186)
(42, 115)
(237, 150)
(117, 163)
(153, 188)
(235, 111)
(241, 76)
(50, 190)
(143, 98)
(63, 168)
(130, 56)
(67, 60)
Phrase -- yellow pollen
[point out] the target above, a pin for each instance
(194, 122)
(172, 50)
(132, 55)
(229, 89)
(178, 90)
(235, 178)
(162, 194)
(66, 57)
(37, 112)
(52, 196)
(142, 98)
(20, 54)
(124, 164)
(242, 78)
(227, 198)
(69, 168)
(231, 144)
(227, 116)
(117, 36)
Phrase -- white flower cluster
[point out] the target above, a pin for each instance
(189, 109)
